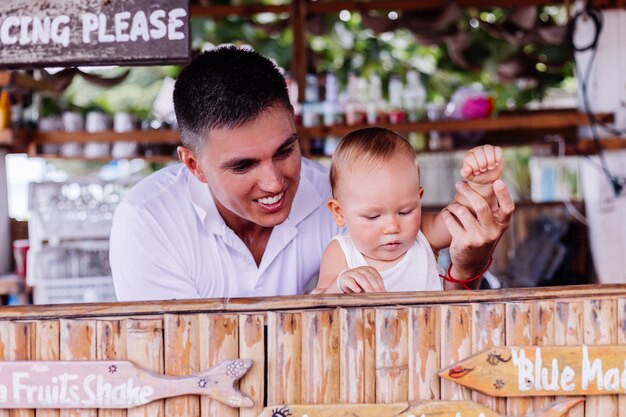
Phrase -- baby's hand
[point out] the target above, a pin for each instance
(482, 165)
(361, 279)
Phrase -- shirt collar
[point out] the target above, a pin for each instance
(306, 201)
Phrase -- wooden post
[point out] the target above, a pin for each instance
(543, 335)
(600, 329)
(392, 355)
(299, 45)
(320, 357)
(47, 349)
(284, 353)
(456, 344)
(487, 331)
(519, 332)
(144, 342)
(218, 341)
(621, 339)
(357, 355)
(181, 358)
(111, 344)
(5, 349)
(569, 331)
(424, 339)
(252, 346)
(78, 342)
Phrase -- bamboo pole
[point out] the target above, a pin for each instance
(111, 344)
(543, 335)
(356, 355)
(488, 330)
(600, 329)
(144, 344)
(284, 353)
(424, 339)
(519, 333)
(22, 348)
(47, 349)
(77, 342)
(252, 346)
(181, 358)
(392, 355)
(621, 339)
(320, 357)
(5, 349)
(456, 344)
(218, 341)
(569, 331)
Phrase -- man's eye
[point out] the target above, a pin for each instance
(240, 169)
(284, 153)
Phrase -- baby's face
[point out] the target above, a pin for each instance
(381, 207)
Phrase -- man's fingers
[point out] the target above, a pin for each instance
(505, 202)
(477, 203)
(464, 216)
(454, 227)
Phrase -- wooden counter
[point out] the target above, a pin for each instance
(325, 349)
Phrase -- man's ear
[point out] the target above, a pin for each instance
(421, 191)
(192, 162)
(335, 209)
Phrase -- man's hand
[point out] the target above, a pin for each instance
(361, 279)
(475, 236)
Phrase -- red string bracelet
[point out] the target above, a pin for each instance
(464, 282)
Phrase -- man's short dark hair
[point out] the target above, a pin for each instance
(226, 87)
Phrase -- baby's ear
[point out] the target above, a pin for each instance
(421, 192)
(335, 209)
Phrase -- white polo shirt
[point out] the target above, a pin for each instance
(169, 242)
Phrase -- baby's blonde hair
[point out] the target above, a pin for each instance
(367, 147)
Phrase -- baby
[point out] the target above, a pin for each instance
(389, 243)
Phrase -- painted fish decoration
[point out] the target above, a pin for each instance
(112, 384)
(410, 409)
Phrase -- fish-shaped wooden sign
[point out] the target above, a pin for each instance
(410, 409)
(515, 371)
(112, 384)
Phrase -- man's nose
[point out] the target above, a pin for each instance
(271, 179)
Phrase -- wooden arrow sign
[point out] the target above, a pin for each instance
(111, 384)
(536, 371)
(411, 409)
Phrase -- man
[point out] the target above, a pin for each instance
(245, 215)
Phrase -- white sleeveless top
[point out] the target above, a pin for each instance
(417, 270)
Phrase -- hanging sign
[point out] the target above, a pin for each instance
(537, 371)
(111, 384)
(36, 33)
(411, 409)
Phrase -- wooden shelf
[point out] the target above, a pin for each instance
(220, 11)
(588, 146)
(22, 80)
(13, 138)
(156, 159)
(141, 136)
(364, 6)
(561, 119)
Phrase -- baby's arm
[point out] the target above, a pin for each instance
(481, 167)
(355, 280)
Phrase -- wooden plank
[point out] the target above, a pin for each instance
(621, 339)
(392, 355)
(519, 332)
(181, 336)
(320, 357)
(111, 345)
(77, 342)
(487, 331)
(543, 335)
(357, 357)
(600, 318)
(218, 341)
(145, 347)
(252, 346)
(424, 357)
(5, 349)
(47, 347)
(299, 45)
(22, 348)
(569, 331)
(284, 350)
(142, 136)
(456, 343)
(263, 304)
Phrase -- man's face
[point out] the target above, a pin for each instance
(253, 171)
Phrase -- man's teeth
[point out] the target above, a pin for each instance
(271, 200)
